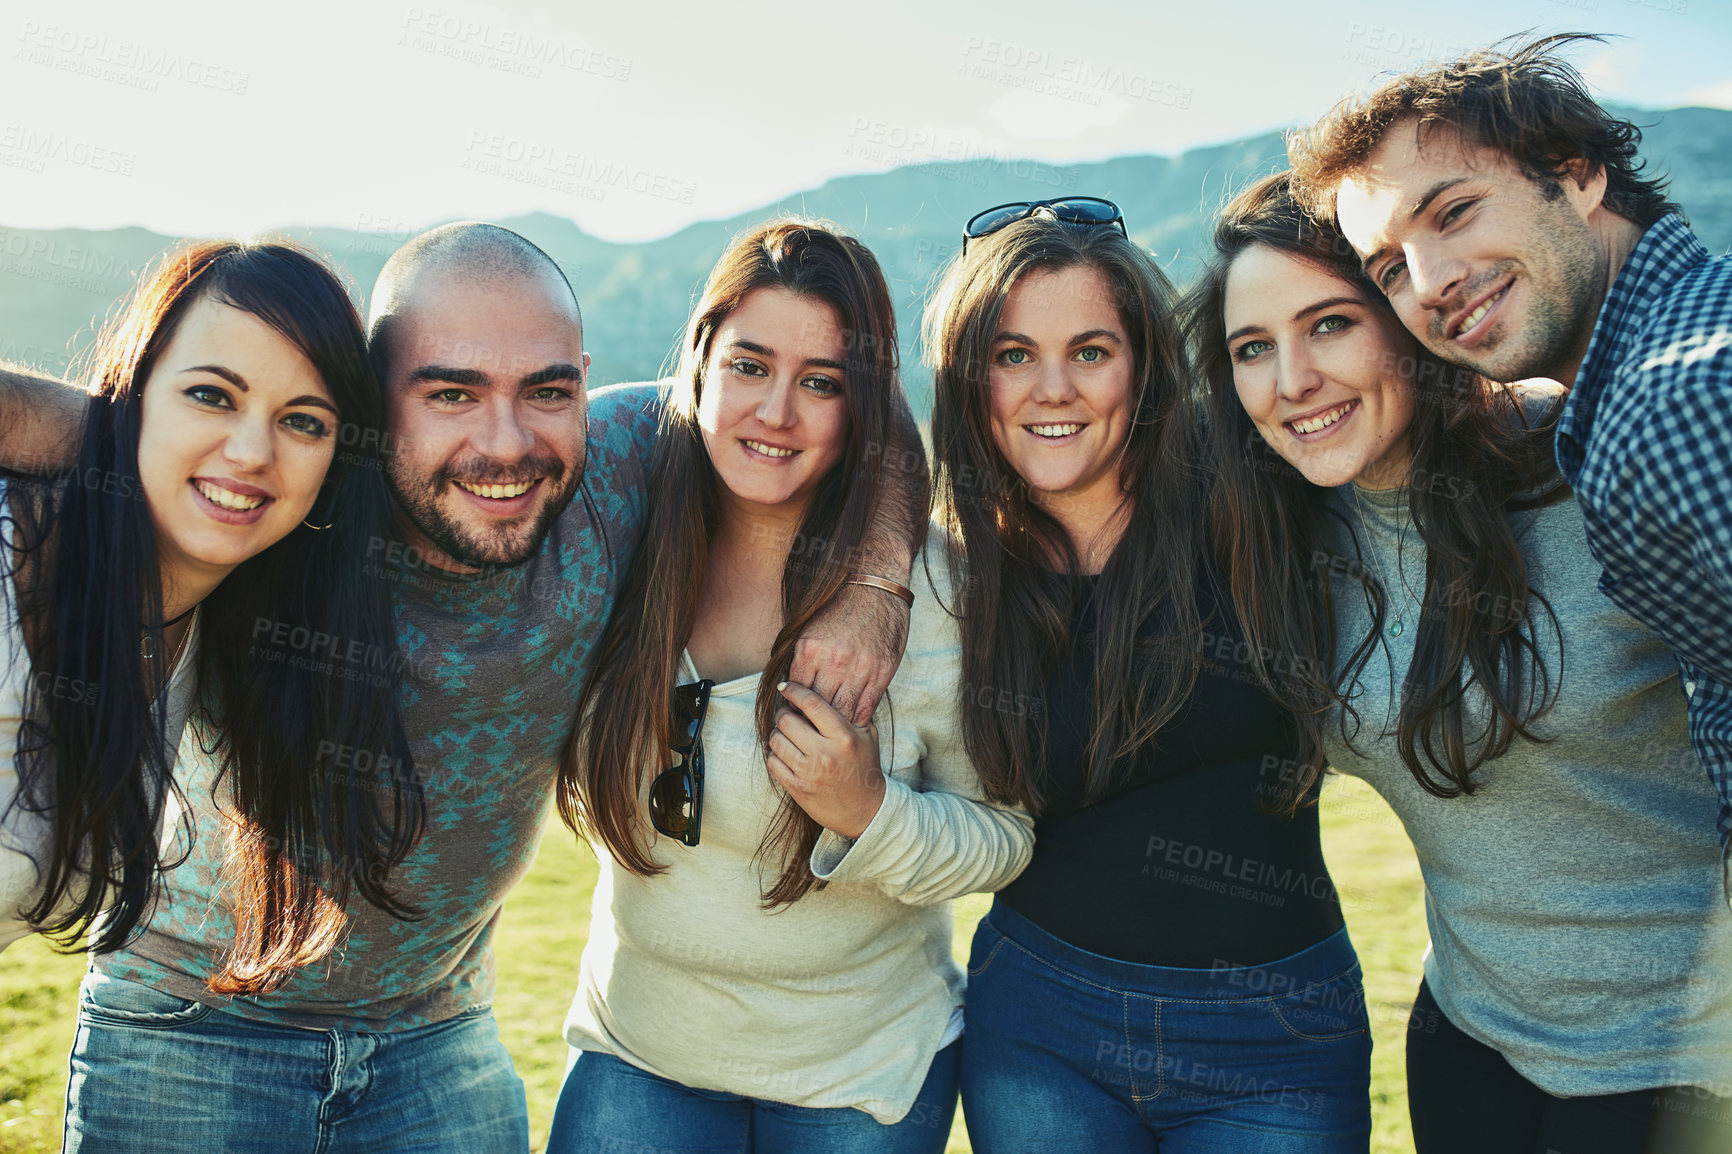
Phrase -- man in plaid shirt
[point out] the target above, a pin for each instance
(1506, 217)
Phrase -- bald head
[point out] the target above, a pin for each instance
(458, 256)
(479, 345)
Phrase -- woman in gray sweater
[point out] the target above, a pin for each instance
(1426, 599)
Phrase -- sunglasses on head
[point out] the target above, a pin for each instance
(1070, 209)
(676, 797)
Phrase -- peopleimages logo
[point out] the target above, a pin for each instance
(74, 266)
(1066, 77)
(505, 49)
(888, 143)
(45, 146)
(548, 164)
(123, 61)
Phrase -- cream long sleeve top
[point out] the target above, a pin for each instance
(843, 998)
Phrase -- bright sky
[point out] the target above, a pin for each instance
(635, 118)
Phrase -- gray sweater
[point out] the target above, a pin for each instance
(1572, 900)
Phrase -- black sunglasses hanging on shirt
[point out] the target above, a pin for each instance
(676, 797)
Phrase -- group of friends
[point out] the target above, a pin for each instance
(310, 625)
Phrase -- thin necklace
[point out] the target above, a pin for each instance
(146, 647)
(147, 650)
(1396, 627)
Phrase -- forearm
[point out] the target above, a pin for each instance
(39, 420)
(931, 846)
(849, 652)
(904, 501)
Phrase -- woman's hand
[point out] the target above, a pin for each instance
(828, 765)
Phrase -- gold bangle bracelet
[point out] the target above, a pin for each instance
(883, 583)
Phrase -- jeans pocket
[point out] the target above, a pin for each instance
(988, 944)
(117, 1002)
(1325, 1011)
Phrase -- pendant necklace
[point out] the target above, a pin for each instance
(1396, 627)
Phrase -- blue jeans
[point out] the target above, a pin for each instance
(1068, 1050)
(155, 1073)
(609, 1106)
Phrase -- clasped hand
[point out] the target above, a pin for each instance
(828, 765)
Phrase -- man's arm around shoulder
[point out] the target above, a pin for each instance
(40, 419)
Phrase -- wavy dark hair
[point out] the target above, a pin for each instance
(309, 823)
(621, 738)
(1527, 103)
(1269, 526)
(1011, 557)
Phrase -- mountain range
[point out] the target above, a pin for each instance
(57, 285)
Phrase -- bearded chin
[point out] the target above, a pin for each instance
(505, 548)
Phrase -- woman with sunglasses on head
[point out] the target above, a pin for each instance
(208, 498)
(769, 964)
(1403, 532)
(1171, 971)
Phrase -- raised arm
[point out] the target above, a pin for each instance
(39, 420)
(852, 649)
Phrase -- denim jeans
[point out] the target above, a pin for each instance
(1068, 1050)
(609, 1106)
(155, 1073)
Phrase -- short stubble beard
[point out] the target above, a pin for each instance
(1560, 321)
(419, 501)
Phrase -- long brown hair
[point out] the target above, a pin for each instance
(622, 735)
(1011, 557)
(310, 824)
(1269, 526)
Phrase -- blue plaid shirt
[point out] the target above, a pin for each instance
(1646, 440)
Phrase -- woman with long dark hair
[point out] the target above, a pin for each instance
(220, 507)
(769, 966)
(1172, 969)
(1414, 582)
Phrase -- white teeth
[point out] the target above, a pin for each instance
(769, 450)
(1321, 420)
(217, 495)
(1477, 315)
(1053, 430)
(497, 492)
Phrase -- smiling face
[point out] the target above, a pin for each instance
(1060, 393)
(487, 414)
(236, 431)
(1487, 268)
(772, 410)
(1319, 369)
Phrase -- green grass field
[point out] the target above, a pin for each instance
(547, 920)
